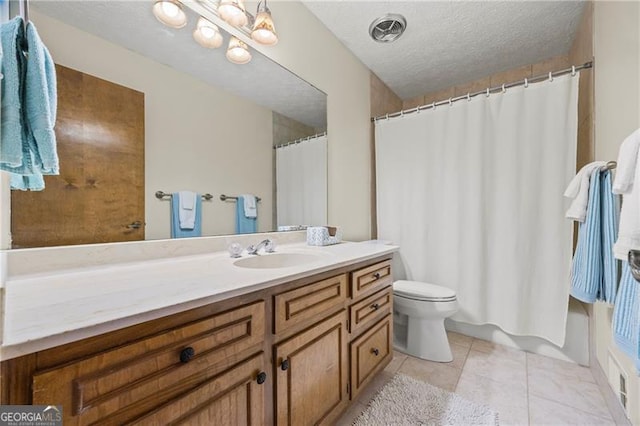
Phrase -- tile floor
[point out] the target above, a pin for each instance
(525, 389)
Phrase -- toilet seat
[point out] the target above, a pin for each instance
(416, 290)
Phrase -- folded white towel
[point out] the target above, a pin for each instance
(187, 209)
(629, 228)
(250, 209)
(627, 162)
(578, 189)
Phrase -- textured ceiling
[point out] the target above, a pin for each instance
(132, 25)
(448, 43)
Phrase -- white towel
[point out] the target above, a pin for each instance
(187, 209)
(578, 189)
(627, 161)
(250, 209)
(629, 230)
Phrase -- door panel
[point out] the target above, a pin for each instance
(100, 189)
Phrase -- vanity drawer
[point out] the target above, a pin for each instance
(370, 279)
(306, 302)
(369, 354)
(130, 380)
(365, 312)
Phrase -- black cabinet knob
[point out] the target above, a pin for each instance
(376, 275)
(186, 354)
(284, 366)
(375, 306)
(262, 377)
(375, 351)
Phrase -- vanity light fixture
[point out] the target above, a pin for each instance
(233, 12)
(207, 34)
(264, 31)
(228, 15)
(238, 51)
(170, 13)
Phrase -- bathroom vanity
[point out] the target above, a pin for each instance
(288, 345)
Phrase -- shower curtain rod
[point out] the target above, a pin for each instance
(549, 76)
(317, 135)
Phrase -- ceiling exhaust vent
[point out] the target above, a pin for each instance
(387, 28)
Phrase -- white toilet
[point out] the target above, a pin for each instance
(419, 310)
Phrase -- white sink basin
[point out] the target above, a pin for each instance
(276, 260)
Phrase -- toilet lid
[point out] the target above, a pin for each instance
(423, 291)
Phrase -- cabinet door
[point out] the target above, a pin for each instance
(311, 374)
(370, 353)
(235, 397)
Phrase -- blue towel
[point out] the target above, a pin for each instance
(13, 145)
(626, 316)
(244, 225)
(29, 104)
(176, 231)
(41, 103)
(594, 270)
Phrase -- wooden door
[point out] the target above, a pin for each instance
(311, 374)
(99, 193)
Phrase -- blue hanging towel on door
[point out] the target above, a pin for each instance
(594, 270)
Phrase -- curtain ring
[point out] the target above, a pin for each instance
(450, 102)
(433, 105)
(573, 70)
(487, 92)
(418, 109)
(550, 76)
(401, 113)
(387, 116)
(468, 96)
(504, 89)
(526, 83)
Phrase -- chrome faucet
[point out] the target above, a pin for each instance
(267, 244)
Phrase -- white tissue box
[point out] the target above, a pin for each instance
(323, 235)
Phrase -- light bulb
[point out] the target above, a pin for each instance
(170, 13)
(233, 11)
(264, 31)
(238, 51)
(207, 34)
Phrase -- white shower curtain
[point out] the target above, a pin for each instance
(472, 193)
(301, 182)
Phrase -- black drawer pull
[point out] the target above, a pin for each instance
(262, 377)
(284, 366)
(375, 306)
(186, 354)
(377, 275)
(375, 351)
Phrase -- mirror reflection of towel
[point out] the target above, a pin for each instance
(187, 209)
(244, 224)
(250, 209)
(176, 230)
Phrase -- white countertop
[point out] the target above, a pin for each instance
(47, 310)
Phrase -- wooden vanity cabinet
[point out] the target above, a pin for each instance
(293, 354)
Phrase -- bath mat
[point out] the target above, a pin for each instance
(405, 401)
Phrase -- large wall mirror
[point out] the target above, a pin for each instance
(144, 108)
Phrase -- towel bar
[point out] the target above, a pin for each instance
(161, 195)
(229, 197)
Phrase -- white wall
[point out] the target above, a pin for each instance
(196, 136)
(617, 114)
(308, 49)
